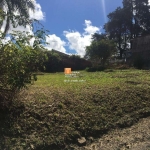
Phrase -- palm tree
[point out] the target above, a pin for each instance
(9, 7)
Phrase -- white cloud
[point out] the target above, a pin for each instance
(89, 28)
(55, 43)
(37, 14)
(78, 41)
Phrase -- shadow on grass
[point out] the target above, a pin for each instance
(9, 112)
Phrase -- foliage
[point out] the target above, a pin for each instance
(100, 51)
(127, 23)
(121, 66)
(118, 28)
(98, 37)
(139, 62)
(79, 63)
(53, 63)
(19, 61)
(94, 69)
(57, 62)
(16, 12)
(140, 13)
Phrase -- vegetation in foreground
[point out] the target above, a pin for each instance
(53, 114)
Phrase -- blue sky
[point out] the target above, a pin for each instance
(67, 21)
(63, 15)
(71, 22)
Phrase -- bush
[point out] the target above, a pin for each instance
(100, 68)
(90, 69)
(94, 69)
(123, 67)
(20, 61)
(139, 62)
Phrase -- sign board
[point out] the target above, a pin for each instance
(67, 70)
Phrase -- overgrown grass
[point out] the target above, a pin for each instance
(55, 113)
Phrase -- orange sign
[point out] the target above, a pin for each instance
(67, 70)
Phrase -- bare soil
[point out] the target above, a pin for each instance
(136, 137)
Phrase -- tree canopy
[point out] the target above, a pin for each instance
(99, 51)
(15, 12)
(128, 22)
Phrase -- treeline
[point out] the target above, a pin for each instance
(56, 62)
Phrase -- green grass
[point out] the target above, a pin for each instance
(55, 113)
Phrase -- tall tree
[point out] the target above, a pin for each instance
(10, 7)
(118, 28)
(128, 22)
(140, 12)
(97, 36)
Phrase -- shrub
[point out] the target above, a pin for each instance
(90, 69)
(139, 62)
(19, 62)
(100, 68)
(94, 69)
(123, 66)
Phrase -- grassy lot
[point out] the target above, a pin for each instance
(54, 112)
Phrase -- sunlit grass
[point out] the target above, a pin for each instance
(110, 79)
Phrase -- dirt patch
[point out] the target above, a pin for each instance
(136, 137)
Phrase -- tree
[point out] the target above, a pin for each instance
(53, 63)
(118, 28)
(100, 51)
(140, 12)
(128, 22)
(97, 36)
(10, 7)
(132, 6)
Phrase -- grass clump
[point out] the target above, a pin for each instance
(57, 113)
